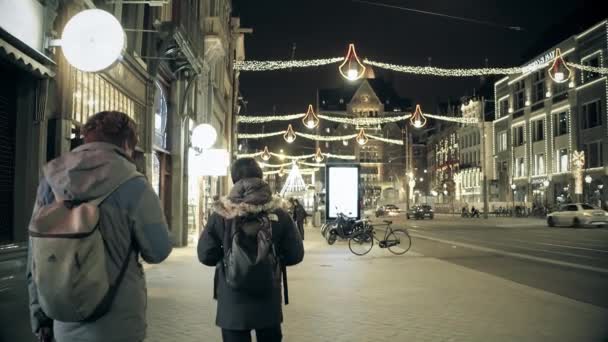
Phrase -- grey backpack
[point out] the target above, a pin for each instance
(69, 260)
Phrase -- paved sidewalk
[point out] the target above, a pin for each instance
(336, 296)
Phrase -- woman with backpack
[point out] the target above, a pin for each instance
(250, 239)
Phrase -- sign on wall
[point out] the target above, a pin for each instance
(343, 190)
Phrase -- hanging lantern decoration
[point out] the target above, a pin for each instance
(345, 142)
(318, 156)
(290, 135)
(418, 119)
(266, 154)
(352, 69)
(361, 138)
(311, 120)
(559, 71)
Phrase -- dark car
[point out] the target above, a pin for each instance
(420, 212)
(389, 209)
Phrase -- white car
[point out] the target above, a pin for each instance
(576, 215)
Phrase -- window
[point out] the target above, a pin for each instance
(520, 167)
(503, 107)
(587, 207)
(518, 135)
(592, 115)
(502, 141)
(563, 164)
(539, 164)
(592, 62)
(538, 87)
(571, 207)
(538, 130)
(520, 89)
(593, 154)
(561, 124)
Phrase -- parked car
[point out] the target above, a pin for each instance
(389, 209)
(578, 215)
(420, 212)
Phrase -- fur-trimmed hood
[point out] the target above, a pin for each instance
(248, 196)
(228, 209)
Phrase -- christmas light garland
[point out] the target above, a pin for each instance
(453, 119)
(263, 165)
(435, 71)
(365, 121)
(307, 156)
(317, 137)
(278, 65)
(589, 68)
(386, 140)
(269, 118)
(313, 164)
(259, 135)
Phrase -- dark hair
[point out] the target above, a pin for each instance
(111, 127)
(245, 168)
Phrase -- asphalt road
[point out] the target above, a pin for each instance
(565, 261)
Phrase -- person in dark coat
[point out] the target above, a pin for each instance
(238, 312)
(299, 215)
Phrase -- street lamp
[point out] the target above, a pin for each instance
(546, 186)
(513, 187)
(588, 180)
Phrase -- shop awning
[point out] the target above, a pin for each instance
(12, 53)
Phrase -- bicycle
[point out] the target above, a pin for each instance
(398, 241)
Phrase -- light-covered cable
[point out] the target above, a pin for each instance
(589, 68)
(268, 118)
(364, 121)
(317, 137)
(453, 119)
(386, 140)
(278, 65)
(456, 72)
(259, 135)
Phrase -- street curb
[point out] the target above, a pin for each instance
(513, 254)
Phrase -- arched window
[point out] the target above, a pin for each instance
(160, 117)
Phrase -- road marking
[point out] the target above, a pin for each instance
(557, 245)
(516, 255)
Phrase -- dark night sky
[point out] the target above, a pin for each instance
(323, 28)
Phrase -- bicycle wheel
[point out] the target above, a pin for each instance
(398, 241)
(361, 243)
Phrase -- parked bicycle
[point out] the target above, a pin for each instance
(398, 241)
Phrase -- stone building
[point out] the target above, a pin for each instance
(539, 124)
(382, 164)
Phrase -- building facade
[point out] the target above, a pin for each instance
(382, 164)
(475, 145)
(539, 124)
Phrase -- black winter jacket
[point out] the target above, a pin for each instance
(237, 310)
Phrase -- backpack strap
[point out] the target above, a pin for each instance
(285, 287)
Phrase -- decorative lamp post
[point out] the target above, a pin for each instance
(513, 187)
(588, 180)
(546, 186)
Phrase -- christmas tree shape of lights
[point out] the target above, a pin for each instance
(294, 182)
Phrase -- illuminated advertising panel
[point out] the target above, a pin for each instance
(342, 190)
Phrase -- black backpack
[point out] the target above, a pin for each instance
(251, 263)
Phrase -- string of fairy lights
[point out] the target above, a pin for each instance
(352, 68)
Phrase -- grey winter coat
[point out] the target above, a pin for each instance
(237, 310)
(136, 218)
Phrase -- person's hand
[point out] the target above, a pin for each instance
(45, 334)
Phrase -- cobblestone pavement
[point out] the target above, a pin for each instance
(336, 296)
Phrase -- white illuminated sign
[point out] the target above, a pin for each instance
(211, 162)
(343, 191)
(539, 62)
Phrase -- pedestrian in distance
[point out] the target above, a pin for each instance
(299, 216)
(250, 239)
(474, 212)
(94, 216)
